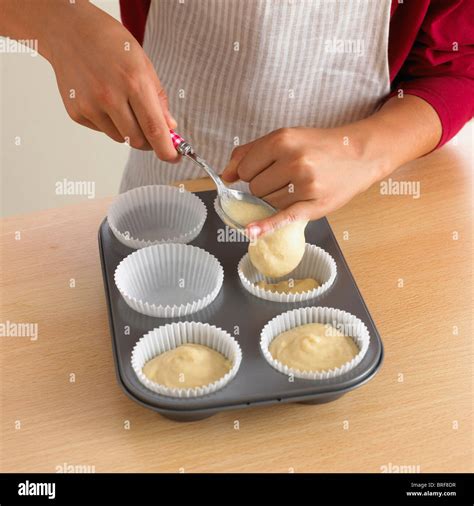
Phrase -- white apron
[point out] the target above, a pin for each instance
(235, 70)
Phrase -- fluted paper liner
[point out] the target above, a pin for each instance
(172, 335)
(156, 214)
(347, 323)
(316, 263)
(169, 280)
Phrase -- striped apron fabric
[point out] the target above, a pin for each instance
(235, 70)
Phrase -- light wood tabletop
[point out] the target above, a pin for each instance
(62, 408)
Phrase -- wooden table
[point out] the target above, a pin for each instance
(62, 406)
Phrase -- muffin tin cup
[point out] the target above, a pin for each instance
(316, 263)
(156, 214)
(345, 322)
(169, 337)
(169, 280)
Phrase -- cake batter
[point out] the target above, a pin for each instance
(313, 347)
(244, 212)
(289, 286)
(274, 254)
(187, 366)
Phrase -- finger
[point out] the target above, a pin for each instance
(258, 158)
(299, 211)
(271, 179)
(265, 151)
(230, 172)
(87, 123)
(283, 198)
(147, 109)
(127, 124)
(163, 97)
(106, 125)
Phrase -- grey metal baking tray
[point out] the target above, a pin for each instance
(256, 383)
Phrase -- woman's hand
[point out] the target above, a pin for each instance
(106, 81)
(305, 172)
(308, 172)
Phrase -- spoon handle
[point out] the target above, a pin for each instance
(180, 144)
(186, 149)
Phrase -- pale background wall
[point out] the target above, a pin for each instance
(53, 147)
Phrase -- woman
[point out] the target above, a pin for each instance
(312, 100)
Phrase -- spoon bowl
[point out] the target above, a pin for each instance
(224, 194)
(237, 195)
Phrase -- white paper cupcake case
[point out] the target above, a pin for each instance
(351, 326)
(171, 336)
(169, 280)
(156, 214)
(316, 263)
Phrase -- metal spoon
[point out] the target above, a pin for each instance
(224, 194)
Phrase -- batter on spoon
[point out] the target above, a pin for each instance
(276, 253)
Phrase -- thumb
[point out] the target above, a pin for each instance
(230, 172)
(296, 212)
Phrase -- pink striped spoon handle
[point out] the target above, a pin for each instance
(177, 139)
(180, 144)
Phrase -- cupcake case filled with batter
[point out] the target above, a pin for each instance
(256, 382)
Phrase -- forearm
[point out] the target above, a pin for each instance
(327, 167)
(39, 20)
(402, 130)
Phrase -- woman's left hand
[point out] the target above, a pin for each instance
(304, 172)
(309, 172)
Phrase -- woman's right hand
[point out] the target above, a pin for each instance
(106, 81)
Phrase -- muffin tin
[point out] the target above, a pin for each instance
(243, 315)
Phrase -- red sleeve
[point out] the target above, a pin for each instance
(440, 65)
(134, 14)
